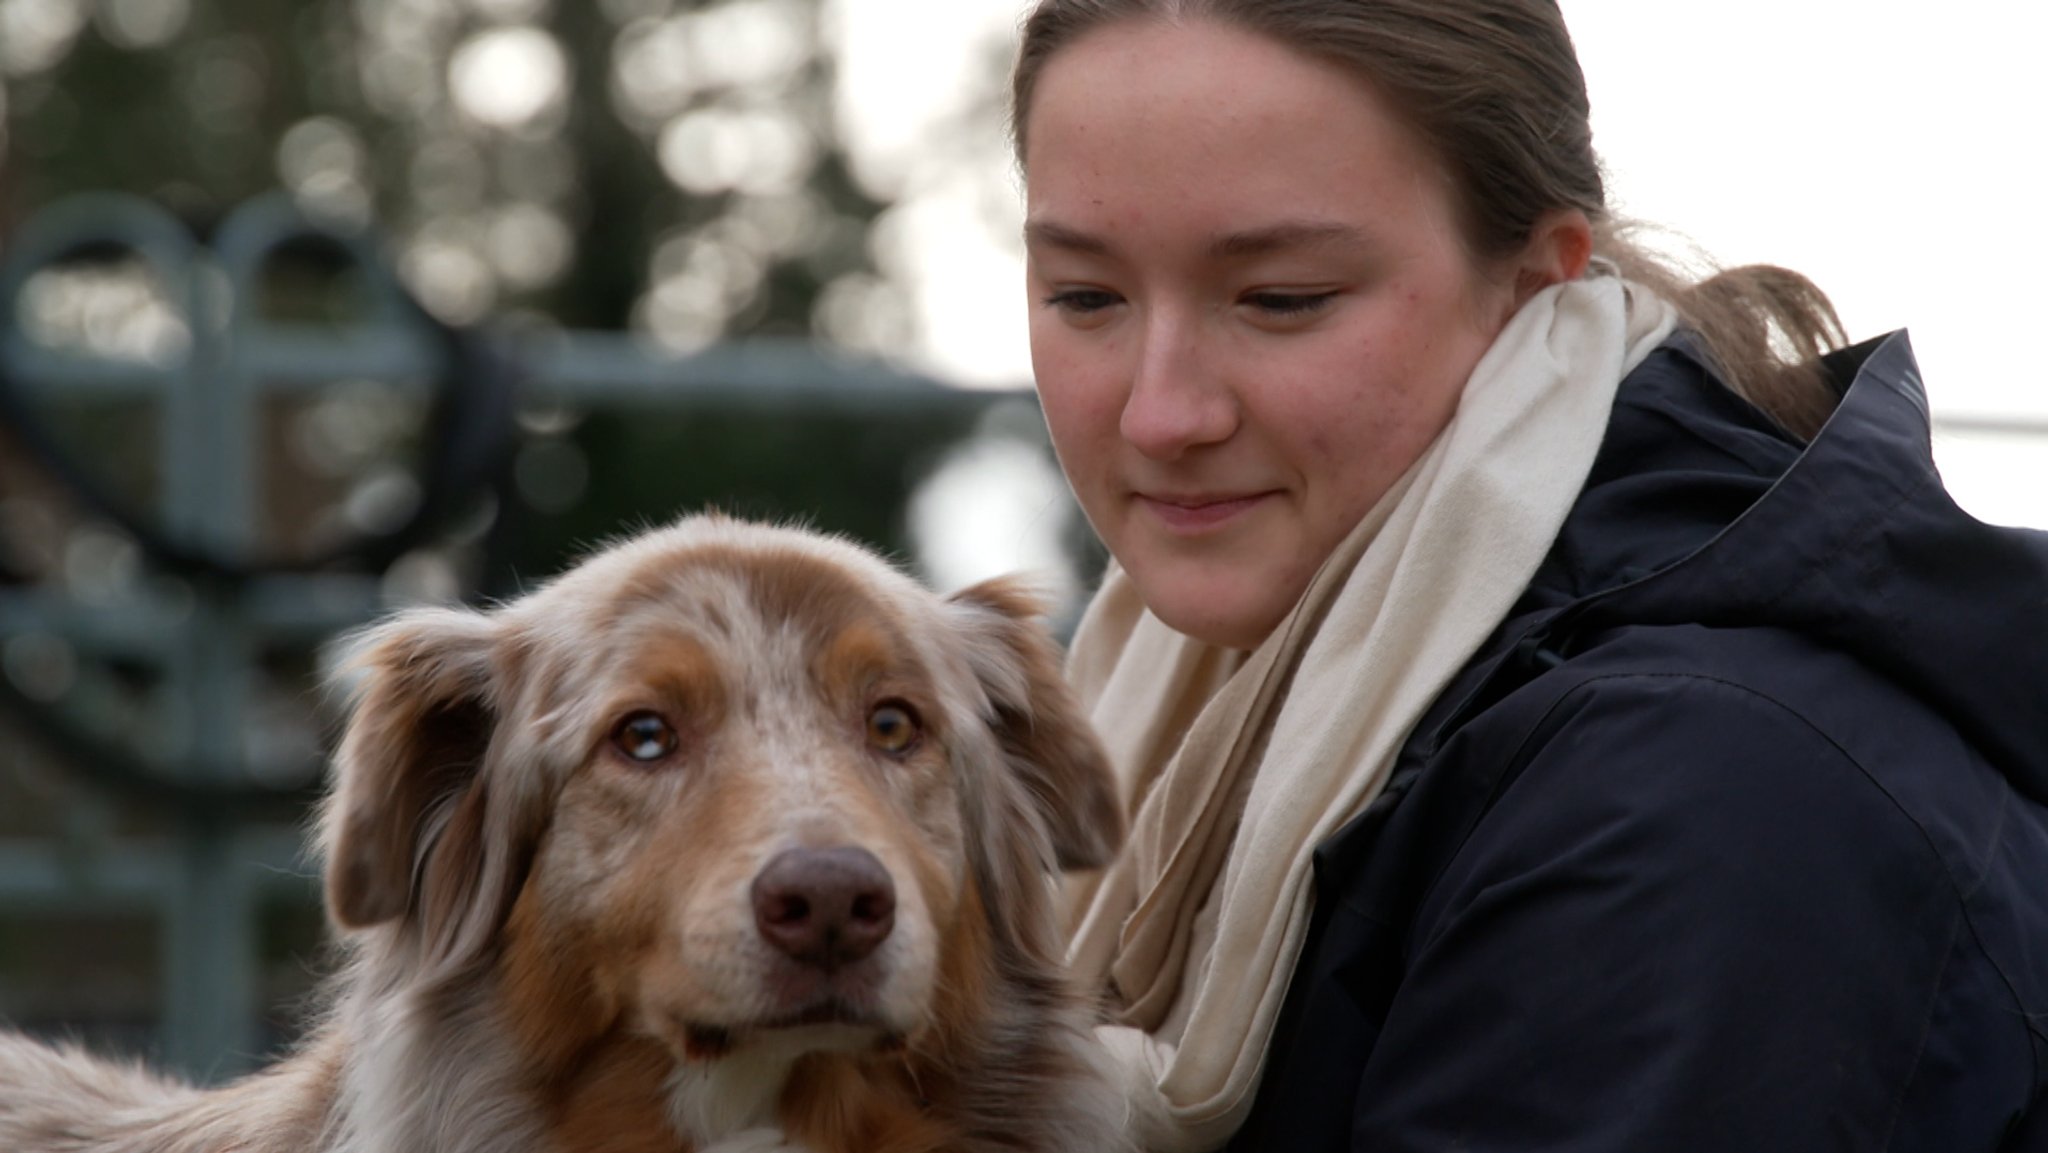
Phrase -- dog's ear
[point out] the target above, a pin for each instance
(407, 828)
(1045, 735)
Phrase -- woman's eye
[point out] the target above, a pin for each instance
(1081, 301)
(1289, 303)
(893, 727)
(644, 737)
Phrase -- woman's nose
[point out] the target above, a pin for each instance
(1178, 399)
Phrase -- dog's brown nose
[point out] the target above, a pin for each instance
(825, 907)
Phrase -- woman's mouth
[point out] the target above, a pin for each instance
(1198, 513)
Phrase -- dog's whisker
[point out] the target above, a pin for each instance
(916, 1084)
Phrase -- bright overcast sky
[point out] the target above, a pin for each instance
(1890, 149)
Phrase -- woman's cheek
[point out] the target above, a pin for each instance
(1078, 392)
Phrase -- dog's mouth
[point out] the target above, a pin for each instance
(831, 1024)
(830, 1011)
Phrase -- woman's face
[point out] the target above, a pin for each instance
(1251, 310)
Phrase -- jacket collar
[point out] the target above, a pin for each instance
(1859, 546)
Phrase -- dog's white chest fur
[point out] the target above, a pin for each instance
(713, 1101)
(728, 1105)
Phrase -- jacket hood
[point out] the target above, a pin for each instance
(1852, 541)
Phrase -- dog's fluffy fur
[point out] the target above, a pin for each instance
(551, 944)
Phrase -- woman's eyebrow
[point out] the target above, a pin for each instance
(1285, 235)
(1052, 234)
(1259, 241)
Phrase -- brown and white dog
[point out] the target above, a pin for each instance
(730, 837)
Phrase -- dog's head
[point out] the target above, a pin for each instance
(717, 781)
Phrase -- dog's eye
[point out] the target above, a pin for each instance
(644, 736)
(893, 727)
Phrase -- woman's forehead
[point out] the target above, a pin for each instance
(1147, 116)
(1214, 148)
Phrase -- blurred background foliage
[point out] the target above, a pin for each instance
(672, 168)
(679, 170)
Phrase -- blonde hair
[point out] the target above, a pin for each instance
(1493, 88)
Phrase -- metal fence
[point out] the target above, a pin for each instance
(223, 832)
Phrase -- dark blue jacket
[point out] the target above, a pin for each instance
(1732, 838)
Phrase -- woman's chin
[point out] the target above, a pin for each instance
(1229, 617)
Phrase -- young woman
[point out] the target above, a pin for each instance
(1552, 718)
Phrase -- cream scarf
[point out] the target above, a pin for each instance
(1238, 765)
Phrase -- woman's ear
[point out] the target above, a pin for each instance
(1559, 249)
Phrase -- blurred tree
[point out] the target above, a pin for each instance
(669, 167)
(665, 164)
